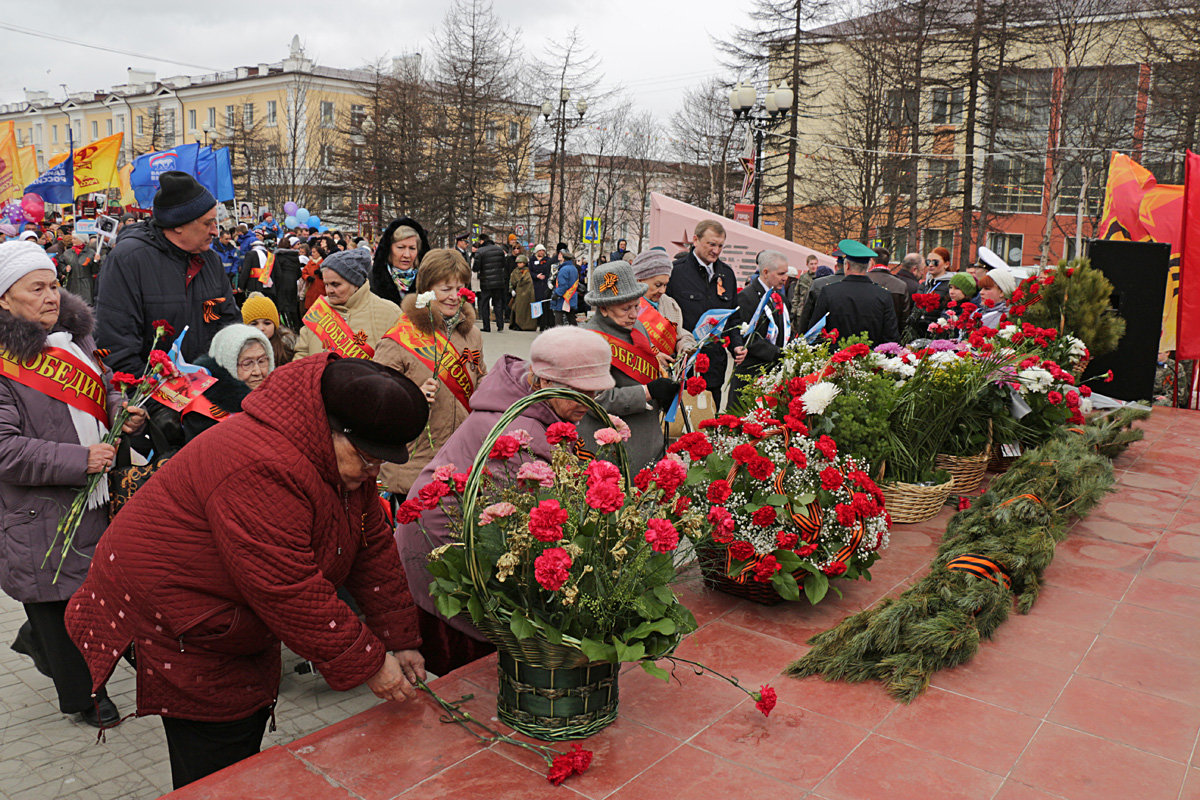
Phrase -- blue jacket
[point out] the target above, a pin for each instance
(231, 258)
(568, 274)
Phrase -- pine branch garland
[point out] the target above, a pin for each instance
(939, 622)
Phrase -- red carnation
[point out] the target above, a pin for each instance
(546, 520)
(642, 479)
(797, 457)
(695, 443)
(552, 568)
(460, 481)
(795, 424)
(765, 568)
(760, 468)
(723, 524)
(835, 569)
(695, 386)
(964, 503)
(743, 453)
(682, 504)
(662, 536)
(786, 540)
(560, 431)
(701, 364)
(845, 515)
(718, 491)
(163, 361)
(571, 763)
(669, 475)
(505, 448)
(467, 294)
(831, 478)
(408, 511)
(605, 497)
(827, 447)
(764, 516)
(123, 380)
(742, 551)
(765, 699)
(753, 430)
(807, 550)
(164, 328)
(430, 493)
(1054, 397)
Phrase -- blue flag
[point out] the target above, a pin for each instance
(176, 355)
(224, 192)
(812, 333)
(206, 169)
(57, 184)
(146, 169)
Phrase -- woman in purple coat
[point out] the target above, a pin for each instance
(50, 442)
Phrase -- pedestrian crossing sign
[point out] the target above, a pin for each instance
(591, 230)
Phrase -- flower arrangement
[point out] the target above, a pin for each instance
(1072, 297)
(159, 368)
(785, 508)
(571, 554)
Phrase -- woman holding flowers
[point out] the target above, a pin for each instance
(349, 320)
(50, 442)
(436, 326)
(640, 391)
(561, 357)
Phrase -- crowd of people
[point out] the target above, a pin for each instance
(346, 379)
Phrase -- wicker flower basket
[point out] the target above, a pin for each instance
(966, 472)
(712, 559)
(556, 703)
(911, 502)
(996, 461)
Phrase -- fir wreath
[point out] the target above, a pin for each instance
(939, 622)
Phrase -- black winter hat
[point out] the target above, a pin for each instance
(378, 409)
(180, 199)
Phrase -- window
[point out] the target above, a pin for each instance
(212, 116)
(943, 177)
(514, 130)
(272, 112)
(935, 238)
(358, 153)
(1072, 184)
(272, 157)
(1016, 186)
(358, 113)
(20, 137)
(192, 120)
(1008, 246)
(95, 129)
(947, 106)
(37, 133)
(490, 133)
(248, 115)
(168, 127)
(902, 107)
(230, 120)
(326, 114)
(75, 129)
(121, 122)
(328, 155)
(108, 126)
(141, 127)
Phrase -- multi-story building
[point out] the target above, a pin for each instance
(882, 148)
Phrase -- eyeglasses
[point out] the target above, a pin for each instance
(248, 364)
(929, 262)
(368, 463)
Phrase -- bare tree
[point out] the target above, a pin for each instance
(704, 133)
(645, 152)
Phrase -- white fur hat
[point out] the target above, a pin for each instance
(18, 259)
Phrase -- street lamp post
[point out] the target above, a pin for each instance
(368, 127)
(775, 108)
(558, 158)
(207, 130)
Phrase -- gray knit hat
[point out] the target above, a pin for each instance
(613, 283)
(227, 344)
(650, 263)
(353, 265)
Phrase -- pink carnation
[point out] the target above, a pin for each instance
(669, 474)
(605, 496)
(606, 436)
(496, 511)
(443, 473)
(601, 471)
(621, 427)
(538, 471)
(522, 436)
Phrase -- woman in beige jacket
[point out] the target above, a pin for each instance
(410, 348)
(348, 293)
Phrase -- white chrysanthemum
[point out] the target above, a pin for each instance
(1078, 348)
(1085, 404)
(818, 397)
(1035, 379)
(425, 298)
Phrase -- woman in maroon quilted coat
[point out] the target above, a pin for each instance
(240, 541)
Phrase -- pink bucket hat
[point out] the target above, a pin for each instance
(574, 357)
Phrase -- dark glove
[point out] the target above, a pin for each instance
(663, 391)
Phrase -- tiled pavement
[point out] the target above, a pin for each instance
(1093, 695)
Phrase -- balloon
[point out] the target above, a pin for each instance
(12, 212)
(301, 214)
(290, 208)
(33, 207)
(289, 222)
(314, 221)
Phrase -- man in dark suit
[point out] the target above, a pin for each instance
(765, 336)
(701, 281)
(856, 304)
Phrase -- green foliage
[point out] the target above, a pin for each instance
(1077, 300)
(939, 622)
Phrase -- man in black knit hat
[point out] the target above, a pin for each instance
(164, 269)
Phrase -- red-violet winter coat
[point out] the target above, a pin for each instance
(237, 543)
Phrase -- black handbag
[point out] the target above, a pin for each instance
(125, 478)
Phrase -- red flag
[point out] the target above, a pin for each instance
(1188, 331)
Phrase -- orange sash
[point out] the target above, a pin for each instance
(632, 360)
(60, 376)
(451, 369)
(262, 273)
(334, 333)
(660, 330)
(568, 294)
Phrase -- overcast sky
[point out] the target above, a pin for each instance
(656, 49)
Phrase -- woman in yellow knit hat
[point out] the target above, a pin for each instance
(259, 311)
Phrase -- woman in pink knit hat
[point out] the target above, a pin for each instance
(562, 357)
